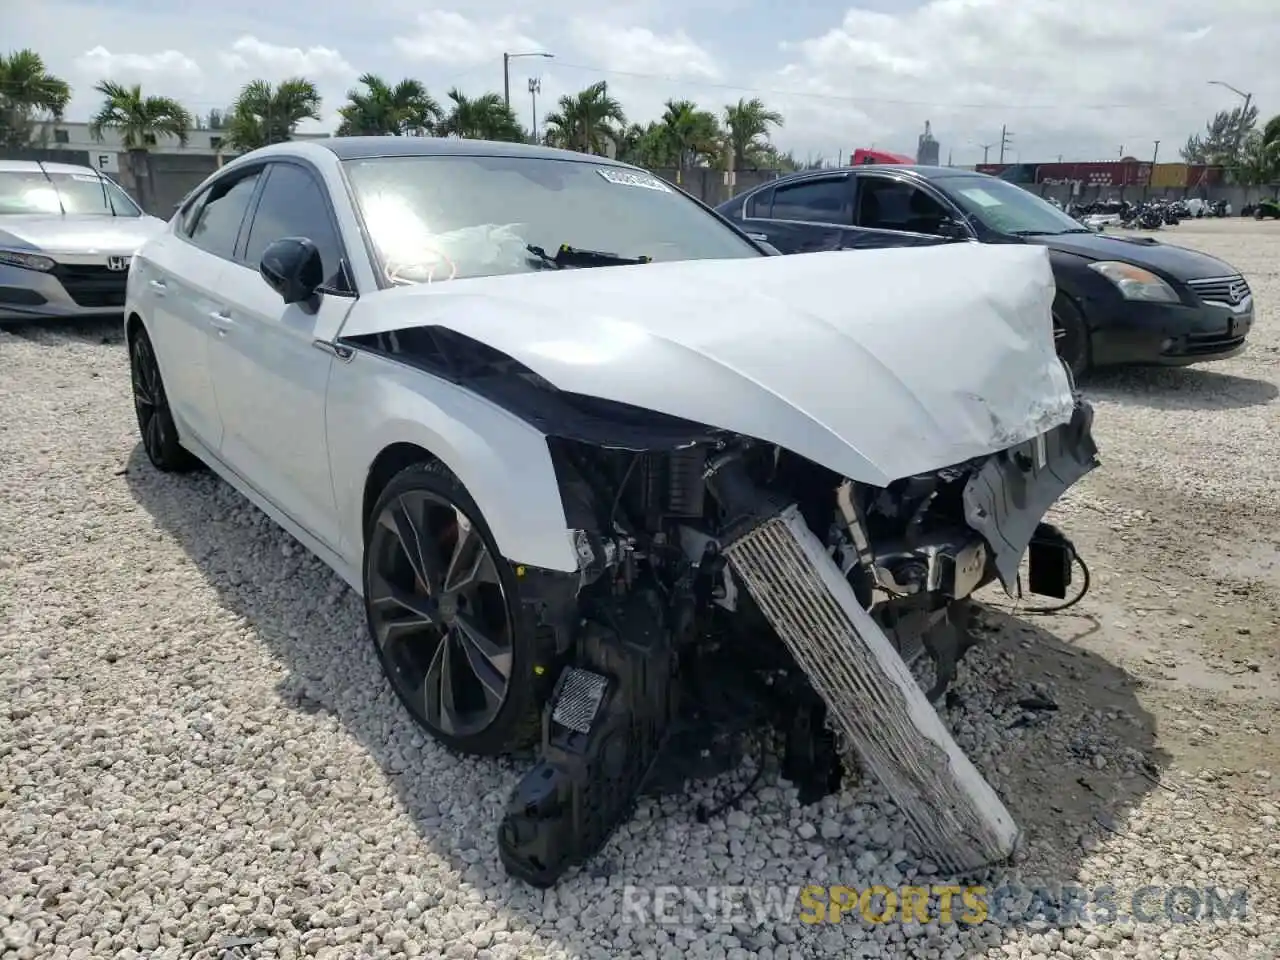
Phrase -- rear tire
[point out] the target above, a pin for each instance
(1070, 335)
(156, 427)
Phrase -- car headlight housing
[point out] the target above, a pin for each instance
(28, 261)
(1135, 283)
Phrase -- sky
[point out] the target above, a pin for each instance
(1083, 79)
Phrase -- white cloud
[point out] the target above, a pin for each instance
(101, 64)
(1081, 79)
(640, 50)
(449, 38)
(272, 62)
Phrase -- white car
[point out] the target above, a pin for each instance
(67, 234)
(569, 434)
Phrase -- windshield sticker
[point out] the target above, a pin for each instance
(980, 197)
(628, 178)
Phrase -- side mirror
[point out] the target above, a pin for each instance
(953, 229)
(292, 268)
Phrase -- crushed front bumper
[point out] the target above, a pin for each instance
(1007, 498)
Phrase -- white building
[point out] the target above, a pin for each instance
(104, 153)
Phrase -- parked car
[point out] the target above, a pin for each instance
(1121, 300)
(1267, 208)
(67, 234)
(557, 489)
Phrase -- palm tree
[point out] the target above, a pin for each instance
(627, 140)
(694, 134)
(487, 117)
(263, 114)
(139, 121)
(748, 124)
(28, 93)
(404, 110)
(585, 121)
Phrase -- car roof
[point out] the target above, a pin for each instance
(361, 148)
(918, 170)
(34, 166)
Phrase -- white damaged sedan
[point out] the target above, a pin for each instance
(598, 463)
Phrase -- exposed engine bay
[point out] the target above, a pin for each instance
(702, 554)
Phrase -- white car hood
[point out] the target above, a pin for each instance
(877, 364)
(55, 233)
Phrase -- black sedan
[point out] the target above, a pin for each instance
(1120, 300)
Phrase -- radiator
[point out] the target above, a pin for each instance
(871, 696)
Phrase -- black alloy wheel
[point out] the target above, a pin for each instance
(441, 606)
(1070, 335)
(155, 420)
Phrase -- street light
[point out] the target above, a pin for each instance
(506, 69)
(1244, 112)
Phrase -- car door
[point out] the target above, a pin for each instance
(900, 211)
(268, 374)
(183, 276)
(802, 216)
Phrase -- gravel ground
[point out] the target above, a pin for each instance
(199, 758)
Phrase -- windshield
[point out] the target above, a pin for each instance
(1007, 208)
(444, 218)
(35, 192)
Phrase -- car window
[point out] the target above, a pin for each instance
(438, 218)
(218, 222)
(53, 192)
(888, 204)
(293, 204)
(819, 201)
(1007, 208)
(761, 203)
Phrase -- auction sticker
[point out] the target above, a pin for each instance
(629, 178)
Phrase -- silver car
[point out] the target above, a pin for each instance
(67, 237)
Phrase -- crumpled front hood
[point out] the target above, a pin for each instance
(876, 364)
(78, 234)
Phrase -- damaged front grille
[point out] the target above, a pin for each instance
(871, 696)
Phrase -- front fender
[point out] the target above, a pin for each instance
(505, 464)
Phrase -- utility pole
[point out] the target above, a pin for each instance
(1006, 139)
(986, 149)
(535, 88)
(1155, 153)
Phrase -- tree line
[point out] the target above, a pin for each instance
(1234, 140)
(589, 121)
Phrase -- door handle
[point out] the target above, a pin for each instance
(221, 320)
(159, 286)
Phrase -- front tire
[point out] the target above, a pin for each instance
(443, 612)
(151, 405)
(1070, 335)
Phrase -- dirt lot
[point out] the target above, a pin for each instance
(198, 757)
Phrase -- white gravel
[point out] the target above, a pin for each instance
(199, 757)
